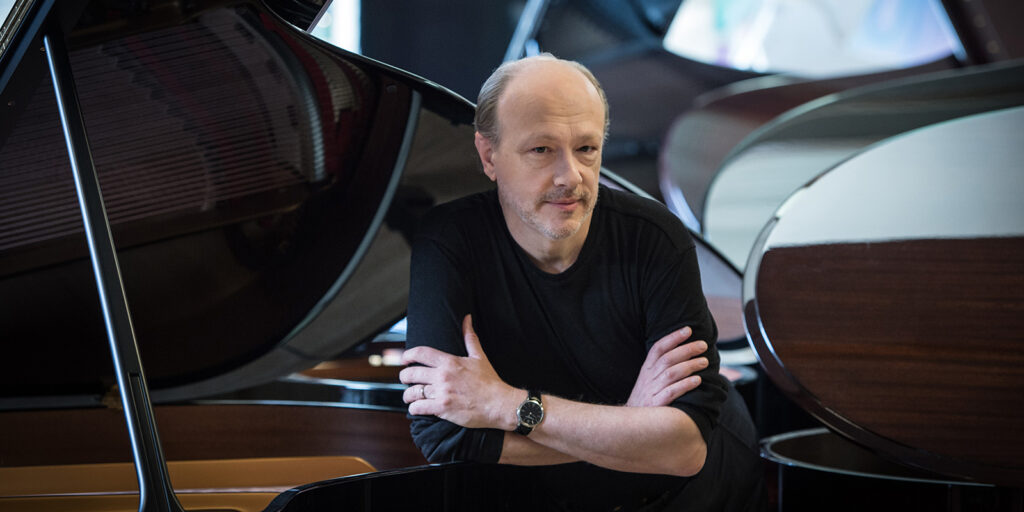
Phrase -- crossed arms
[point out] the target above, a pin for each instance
(644, 436)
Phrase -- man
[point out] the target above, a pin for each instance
(554, 321)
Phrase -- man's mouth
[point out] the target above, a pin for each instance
(565, 204)
(566, 200)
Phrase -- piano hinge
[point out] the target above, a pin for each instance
(112, 399)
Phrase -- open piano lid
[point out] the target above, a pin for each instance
(260, 185)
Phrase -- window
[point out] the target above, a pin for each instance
(815, 38)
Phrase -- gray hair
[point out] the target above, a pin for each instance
(486, 120)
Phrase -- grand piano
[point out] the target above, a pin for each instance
(259, 187)
(208, 183)
(761, 168)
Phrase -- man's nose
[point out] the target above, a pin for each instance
(569, 172)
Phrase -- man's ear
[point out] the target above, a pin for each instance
(485, 148)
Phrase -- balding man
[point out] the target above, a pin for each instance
(555, 321)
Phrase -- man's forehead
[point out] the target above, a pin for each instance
(553, 93)
(540, 126)
(546, 75)
(541, 134)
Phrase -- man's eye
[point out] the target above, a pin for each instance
(588, 149)
(539, 150)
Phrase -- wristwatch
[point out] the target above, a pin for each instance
(530, 413)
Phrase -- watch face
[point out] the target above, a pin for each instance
(530, 413)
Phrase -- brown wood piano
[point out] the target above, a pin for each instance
(842, 284)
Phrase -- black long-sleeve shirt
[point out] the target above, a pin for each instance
(582, 334)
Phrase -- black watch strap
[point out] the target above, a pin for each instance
(530, 413)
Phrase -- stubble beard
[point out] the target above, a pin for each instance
(532, 216)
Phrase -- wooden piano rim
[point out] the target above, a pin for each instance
(259, 475)
(769, 452)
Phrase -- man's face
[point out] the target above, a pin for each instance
(548, 160)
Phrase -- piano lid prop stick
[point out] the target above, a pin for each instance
(155, 491)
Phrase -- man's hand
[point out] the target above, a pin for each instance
(668, 371)
(463, 390)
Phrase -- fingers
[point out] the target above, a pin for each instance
(429, 356)
(677, 381)
(683, 352)
(413, 393)
(672, 350)
(417, 392)
(417, 375)
(668, 384)
(676, 390)
(424, 355)
(683, 370)
(668, 343)
(473, 348)
(426, 408)
(421, 400)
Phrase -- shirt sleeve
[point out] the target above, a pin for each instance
(674, 299)
(439, 297)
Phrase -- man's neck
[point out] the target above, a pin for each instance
(551, 256)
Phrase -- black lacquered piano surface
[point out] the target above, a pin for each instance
(261, 187)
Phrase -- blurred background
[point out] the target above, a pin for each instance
(688, 81)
